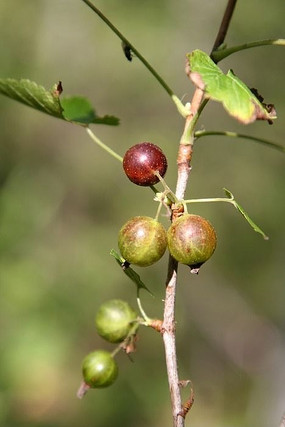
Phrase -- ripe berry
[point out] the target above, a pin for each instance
(114, 320)
(141, 161)
(142, 241)
(191, 240)
(99, 369)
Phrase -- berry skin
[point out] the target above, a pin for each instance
(142, 241)
(192, 240)
(141, 161)
(99, 369)
(114, 320)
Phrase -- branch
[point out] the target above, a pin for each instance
(184, 167)
(132, 48)
(168, 332)
(224, 24)
(168, 327)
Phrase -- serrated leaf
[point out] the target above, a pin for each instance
(33, 95)
(129, 271)
(78, 109)
(244, 214)
(74, 109)
(239, 101)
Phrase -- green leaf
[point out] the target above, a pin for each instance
(33, 95)
(244, 214)
(74, 109)
(238, 100)
(78, 109)
(129, 271)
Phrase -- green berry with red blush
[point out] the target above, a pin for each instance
(192, 240)
(142, 241)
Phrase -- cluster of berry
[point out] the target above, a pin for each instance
(190, 239)
(116, 322)
(142, 241)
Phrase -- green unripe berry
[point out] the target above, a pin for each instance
(191, 240)
(114, 320)
(142, 241)
(99, 369)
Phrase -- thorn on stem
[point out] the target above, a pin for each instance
(189, 402)
(184, 383)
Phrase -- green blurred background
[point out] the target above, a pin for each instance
(62, 202)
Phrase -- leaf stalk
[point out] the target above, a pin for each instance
(202, 133)
(218, 55)
(104, 146)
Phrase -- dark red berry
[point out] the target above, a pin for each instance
(192, 240)
(142, 241)
(142, 161)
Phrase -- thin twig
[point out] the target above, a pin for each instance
(131, 47)
(225, 24)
